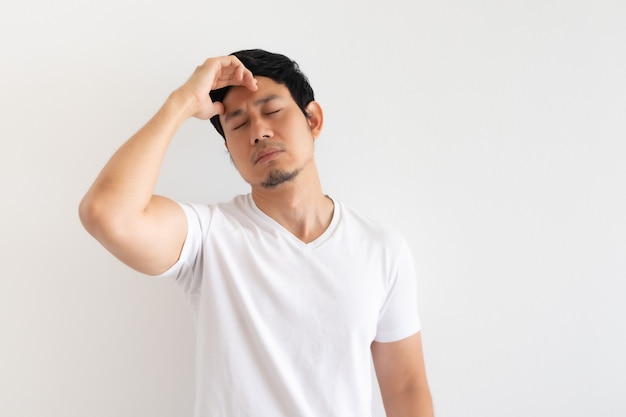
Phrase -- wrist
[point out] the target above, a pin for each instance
(181, 104)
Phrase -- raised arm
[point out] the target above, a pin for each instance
(143, 230)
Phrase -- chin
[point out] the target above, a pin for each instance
(278, 177)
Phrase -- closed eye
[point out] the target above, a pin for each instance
(239, 125)
(267, 113)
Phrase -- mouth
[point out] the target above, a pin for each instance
(266, 154)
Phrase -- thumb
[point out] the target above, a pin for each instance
(209, 110)
(218, 108)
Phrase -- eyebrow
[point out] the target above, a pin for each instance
(259, 102)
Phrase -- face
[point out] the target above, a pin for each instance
(269, 138)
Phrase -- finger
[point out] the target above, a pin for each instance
(229, 70)
(218, 109)
(248, 80)
(209, 110)
(251, 83)
(240, 72)
(242, 75)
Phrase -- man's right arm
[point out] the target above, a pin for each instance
(143, 230)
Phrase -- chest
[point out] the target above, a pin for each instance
(331, 291)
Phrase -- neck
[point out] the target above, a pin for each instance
(299, 206)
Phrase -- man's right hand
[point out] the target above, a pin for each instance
(213, 74)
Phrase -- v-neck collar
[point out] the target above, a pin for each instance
(274, 225)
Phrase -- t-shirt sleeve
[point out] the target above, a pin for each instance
(399, 316)
(187, 270)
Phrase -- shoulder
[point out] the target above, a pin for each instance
(223, 217)
(368, 229)
(234, 207)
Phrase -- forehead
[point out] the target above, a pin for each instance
(240, 96)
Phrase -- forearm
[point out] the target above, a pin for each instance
(126, 183)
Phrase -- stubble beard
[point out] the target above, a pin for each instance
(277, 177)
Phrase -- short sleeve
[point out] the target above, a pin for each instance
(187, 270)
(399, 316)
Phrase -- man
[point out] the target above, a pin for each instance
(292, 293)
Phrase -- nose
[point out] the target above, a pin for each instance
(256, 140)
(259, 131)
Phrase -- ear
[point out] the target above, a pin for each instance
(226, 145)
(315, 119)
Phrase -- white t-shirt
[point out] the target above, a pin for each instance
(284, 327)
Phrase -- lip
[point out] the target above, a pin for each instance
(266, 154)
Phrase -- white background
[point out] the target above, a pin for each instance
(491, 133)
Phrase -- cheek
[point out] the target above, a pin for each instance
(235, 150)
(300, 128)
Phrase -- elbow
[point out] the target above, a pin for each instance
(88, 213)
(98, 217)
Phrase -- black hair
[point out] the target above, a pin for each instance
(277, 67)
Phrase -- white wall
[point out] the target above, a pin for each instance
(492, 133)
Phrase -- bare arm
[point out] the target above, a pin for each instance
(143, 230)
(402, 377)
